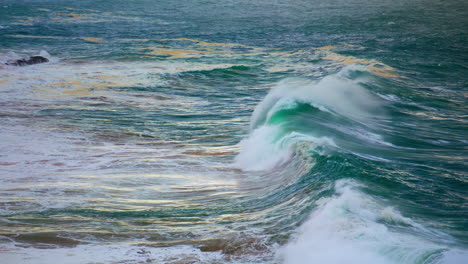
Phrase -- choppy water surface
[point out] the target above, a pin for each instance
(234, 132)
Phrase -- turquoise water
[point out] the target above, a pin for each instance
(234, 132)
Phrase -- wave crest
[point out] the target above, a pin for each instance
(276, 130)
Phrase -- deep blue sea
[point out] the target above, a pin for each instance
(190, 132)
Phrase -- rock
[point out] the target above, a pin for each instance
(29, 61)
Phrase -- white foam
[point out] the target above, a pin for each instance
(116, 253)
(9, 56)
(259, 151)
(454, 256)
(348, 229)
(268, 147)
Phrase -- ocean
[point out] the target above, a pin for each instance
(282, 132)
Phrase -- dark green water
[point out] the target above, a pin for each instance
(234, 132)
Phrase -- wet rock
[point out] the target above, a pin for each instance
(143, 251)
(28, 61)
(236, 246)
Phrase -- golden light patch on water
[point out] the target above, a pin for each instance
(204, 51)
(385, 71)
(139, 40)
(219, 44)
(175, 53)
(103, 77)
(375, 67)
(173, 39)
(326, 47)
(347, 60)
(205, 43)
(434, 116)
(28, 21)
(74, 15)
(72, 87)
(78, 92)
(4, 81)
(92, 39)
(200, 47)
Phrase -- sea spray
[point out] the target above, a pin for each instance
(334, 93)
